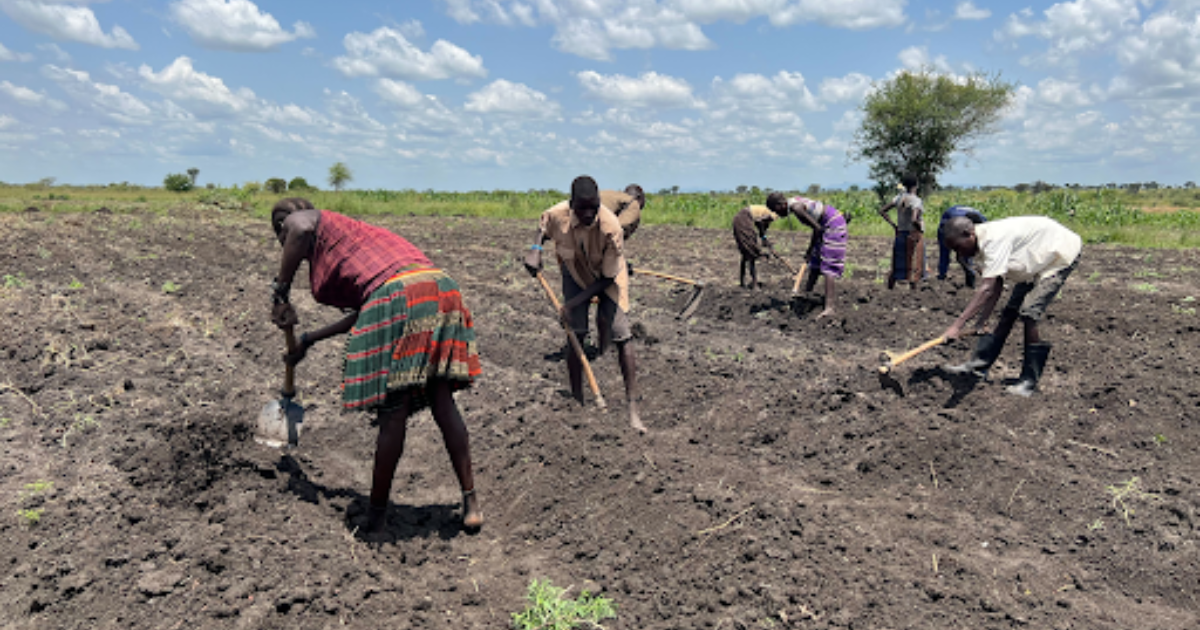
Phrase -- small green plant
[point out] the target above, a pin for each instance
(1145, 287)
(1095, 277)
(75, 284)
(5, 422)
(15, 282)
(1160, 438)
(1096, 525)
(30, 517)
(1147, 274)
(42, 252)
(1126, 492)
(169, 287)
(36, 487)
(547, 609)
(82, 424)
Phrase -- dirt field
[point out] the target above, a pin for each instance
(781, 485)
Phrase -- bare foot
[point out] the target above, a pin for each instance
(635, 420)
(825, 313)
(472, 515)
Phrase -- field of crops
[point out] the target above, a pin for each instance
(1151, 218)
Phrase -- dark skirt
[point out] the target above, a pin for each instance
(745, 233)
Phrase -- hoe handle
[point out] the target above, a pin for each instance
(785, 262)
(799, 277)
(575, 345)
(897, 360)
(289, 376)
(656, 274)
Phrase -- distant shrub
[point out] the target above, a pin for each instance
(276, 185)
(177, 182)
(251, 188)
(298, 183)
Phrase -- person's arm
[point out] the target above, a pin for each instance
(309, 339)
(883, 212)
(630, 217)
(298, 234)
(533, 259)
(982, 303)
(585, 296)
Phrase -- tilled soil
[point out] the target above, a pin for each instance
(784, 484)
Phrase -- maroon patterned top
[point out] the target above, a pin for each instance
(350, 259)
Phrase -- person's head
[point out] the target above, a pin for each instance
(635, 191)
(777, 203)
(909, 181)
(303, 203)
(585, 199)
(960, 236)
(283, 208)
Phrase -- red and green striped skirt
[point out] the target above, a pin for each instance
(412, 330)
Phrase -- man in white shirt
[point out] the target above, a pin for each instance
(1038, 254)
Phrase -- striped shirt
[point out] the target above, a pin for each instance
(350, 259)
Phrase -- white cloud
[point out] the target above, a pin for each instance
(917, 58)
(594, 28)
(8, 55)
(1074, 27)
(1062, 93)
(649, 90)
(108, 100)
(54, 52)
(180, 81)
(236, 25)
(388, 52)
(848, 89)
(64, 21)
(968, 11)
(7, 121)
(505, 97)
(786, 91)
(399, 93)
(1161, 59)
(28, 97)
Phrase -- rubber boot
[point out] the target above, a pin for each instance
(1031, 370)
(987, 350)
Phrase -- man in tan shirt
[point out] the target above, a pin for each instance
(627, 205)
(588, 242)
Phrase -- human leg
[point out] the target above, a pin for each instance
(622, 333)
(458, 446)
(830, 295)
(1033, 308)
(389, 446)
(943, 254)
(579, 325)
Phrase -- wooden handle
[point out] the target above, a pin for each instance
(785, 263)
(656, 274)
(918, 350)
(799, 277)
(587, 367)
(289, 377)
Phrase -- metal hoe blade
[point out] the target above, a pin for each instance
(279, 423)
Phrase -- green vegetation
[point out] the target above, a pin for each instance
(5, 422)
(1125, 493)
(30, 517)
(36, 487)
(178, 182)
(15, 282)
(169, 287)
(339, 175)
(1101, 215)
(276, 185)
(916, 122)
(546, 609)
(82, 424)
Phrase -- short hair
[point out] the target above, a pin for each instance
(287, 205)
(909, 181)
(959, 228)
(776, 200)
(303, 203)
(584, 188)
(635, 191)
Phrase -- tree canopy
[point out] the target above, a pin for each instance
(916, 122)
(339, 174)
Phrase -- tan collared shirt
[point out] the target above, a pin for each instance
(590, 252)
(626, 207)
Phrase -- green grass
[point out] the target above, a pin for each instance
(548, 609)
(1098, 215)
(30, 517)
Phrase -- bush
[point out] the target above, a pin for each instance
(276, 185)
(299, 183)
(177, 182)
(251, 188)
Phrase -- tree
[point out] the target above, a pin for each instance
(275, 185)
(917, 121)
(177, 182)
(192, 173)
(298, 183)
(339, 174)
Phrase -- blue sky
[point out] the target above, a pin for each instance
(519, 94)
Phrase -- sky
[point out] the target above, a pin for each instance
(528, 94)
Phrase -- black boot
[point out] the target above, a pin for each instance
(1031, 370)
(987, 350)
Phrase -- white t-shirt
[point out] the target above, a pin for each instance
(1024, 249)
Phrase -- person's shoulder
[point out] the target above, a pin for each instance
(614, 199)
(608, 221)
